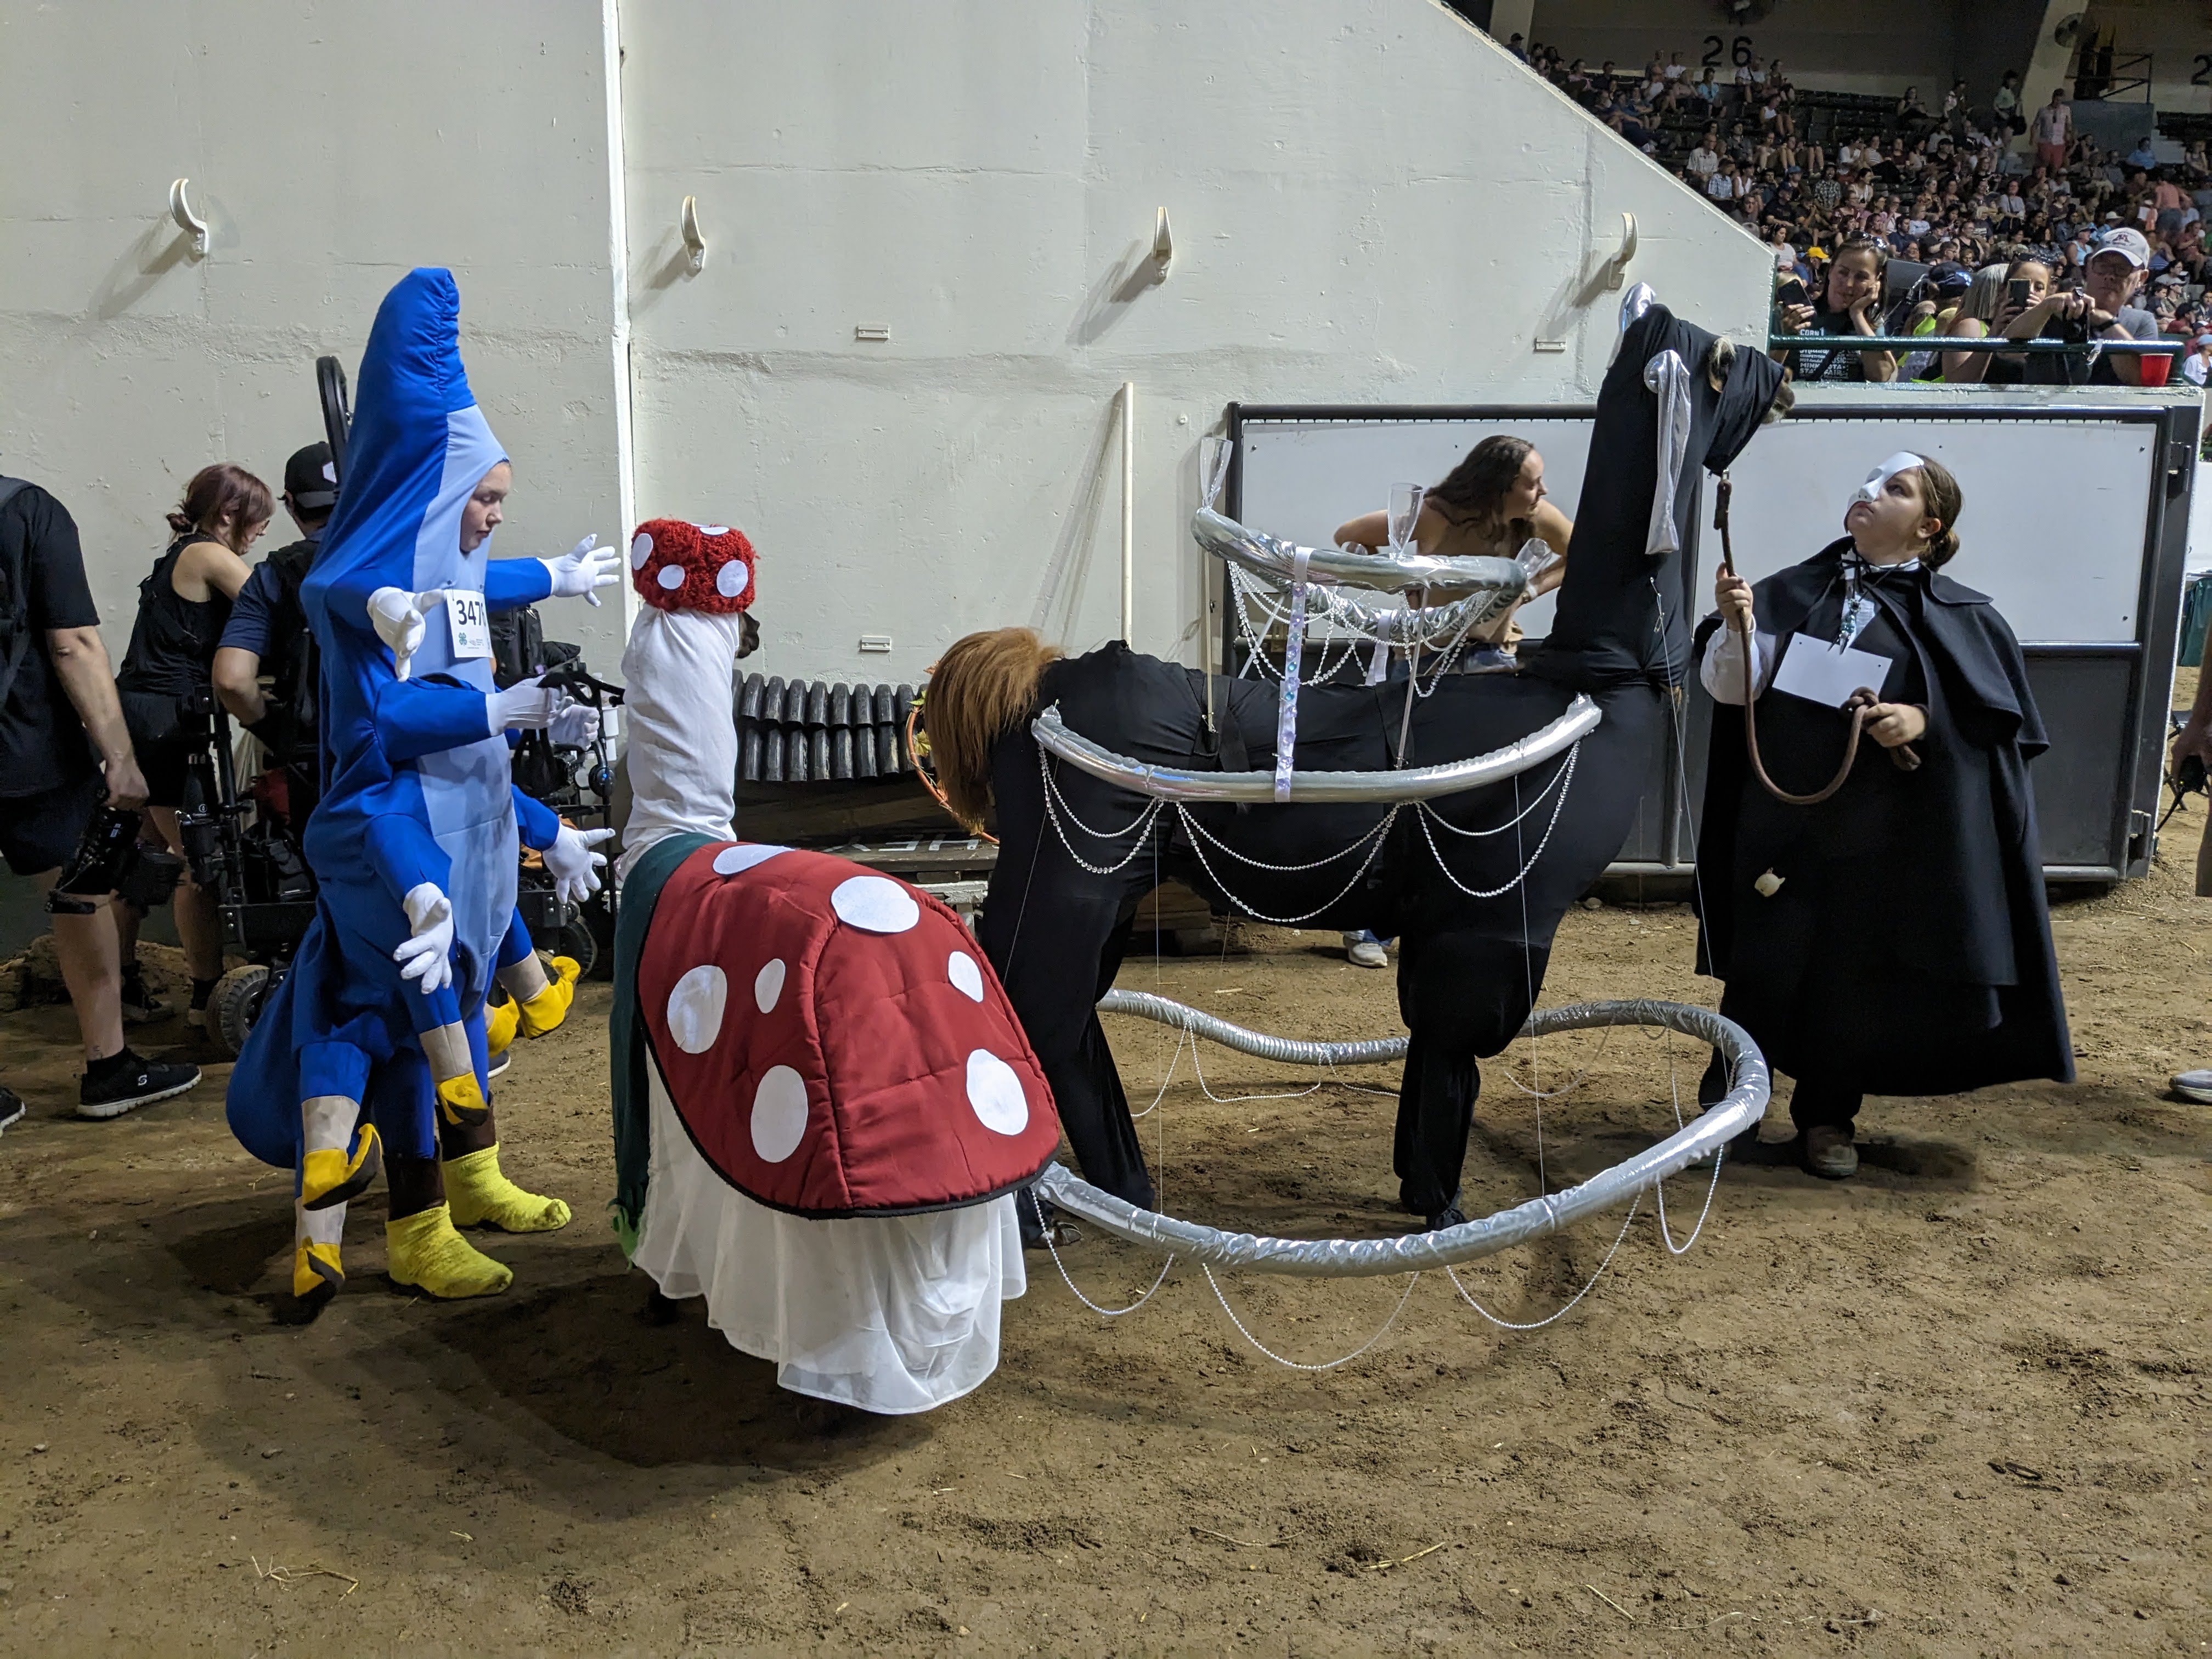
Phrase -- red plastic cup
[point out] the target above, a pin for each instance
(2156, 367)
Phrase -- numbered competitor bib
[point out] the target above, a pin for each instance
(470, 622)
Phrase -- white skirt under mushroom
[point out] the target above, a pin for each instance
(893, 1316)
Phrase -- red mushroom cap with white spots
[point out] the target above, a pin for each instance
(675, 565)
(834, 1040)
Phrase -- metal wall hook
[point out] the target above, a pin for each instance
(1162, 247)
(1617, 267)
(695, 242)
(180, 210)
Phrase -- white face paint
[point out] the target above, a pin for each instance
(1903, 461)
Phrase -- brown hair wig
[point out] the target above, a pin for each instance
(979, 690)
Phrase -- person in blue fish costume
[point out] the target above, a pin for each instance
(372, 1054)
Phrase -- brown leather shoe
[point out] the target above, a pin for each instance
(1829, 1152)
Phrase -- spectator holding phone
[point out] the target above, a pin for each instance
(2104, 309)
(1999, 297)
(1849, 302)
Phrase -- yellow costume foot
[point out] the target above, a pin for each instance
(544, 1013)
(423, 1252)
(461, 1104)
(480, 1196)
(502, 1020)
(317, 1275)
(329, 1176)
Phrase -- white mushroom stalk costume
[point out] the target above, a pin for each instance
(822, 1101)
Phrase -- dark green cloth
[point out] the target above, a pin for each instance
(627, 1057)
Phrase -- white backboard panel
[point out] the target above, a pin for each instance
(2053, 527)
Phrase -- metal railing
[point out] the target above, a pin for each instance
(1952, 343)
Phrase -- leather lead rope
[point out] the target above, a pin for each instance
(1862, 701)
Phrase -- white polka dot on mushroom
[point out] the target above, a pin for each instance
(695, 1009)
(876, 903)
(767, 986)
(779, 1118)
(967, 978)
(712, 529)
(641, 550)
(995, 1094)
(671, 577)
(730, 580)
(736, 861)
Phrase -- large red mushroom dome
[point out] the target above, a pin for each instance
(834, 1041)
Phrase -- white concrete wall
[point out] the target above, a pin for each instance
(1371, 202)
(334, 146)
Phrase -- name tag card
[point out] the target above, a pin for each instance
(1817, 671)
(470, 622)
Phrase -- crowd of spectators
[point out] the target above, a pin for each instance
(1940, 184)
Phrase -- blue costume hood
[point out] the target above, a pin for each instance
(419, 447)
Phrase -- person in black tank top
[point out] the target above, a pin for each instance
(1893, 939)
(183, 605)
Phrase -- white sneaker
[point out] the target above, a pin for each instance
(1362, 952)
(2193, 1086)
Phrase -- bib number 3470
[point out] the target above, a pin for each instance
(470, 623)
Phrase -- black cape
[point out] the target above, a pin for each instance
(1964, 910)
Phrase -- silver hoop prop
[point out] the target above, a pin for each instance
(1740, 1109)
(1500, 583)
(1413, 783)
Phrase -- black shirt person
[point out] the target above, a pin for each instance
(63, 744)
(267, 634)
(183, 605)
(1848, 302)
(1893, 938)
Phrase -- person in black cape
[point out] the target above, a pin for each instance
(1893, 938)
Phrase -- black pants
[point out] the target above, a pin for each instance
(1461, 995)
(1815, 1102)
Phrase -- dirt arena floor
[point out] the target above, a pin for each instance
(1958, 1406)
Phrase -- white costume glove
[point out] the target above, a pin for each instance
(523, 707)
(397, 615)
(574, 727)
(582, 569)
(574, 866)
(426, 956)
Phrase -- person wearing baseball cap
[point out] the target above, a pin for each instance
(268, 632)
(2104, 308)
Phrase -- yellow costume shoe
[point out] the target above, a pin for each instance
(544, 1013)
(317, 1275)
(461, 1102)
(424, 1253)
(502, 1020)
(479, 1195)
(330, 1176)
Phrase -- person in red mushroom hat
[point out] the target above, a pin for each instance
(823, 1103)
(696, 581)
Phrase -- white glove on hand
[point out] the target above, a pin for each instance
(426, 957)
(583, 567)
(523, 707)
(397, 615)
(574, 866)
(574, 727)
